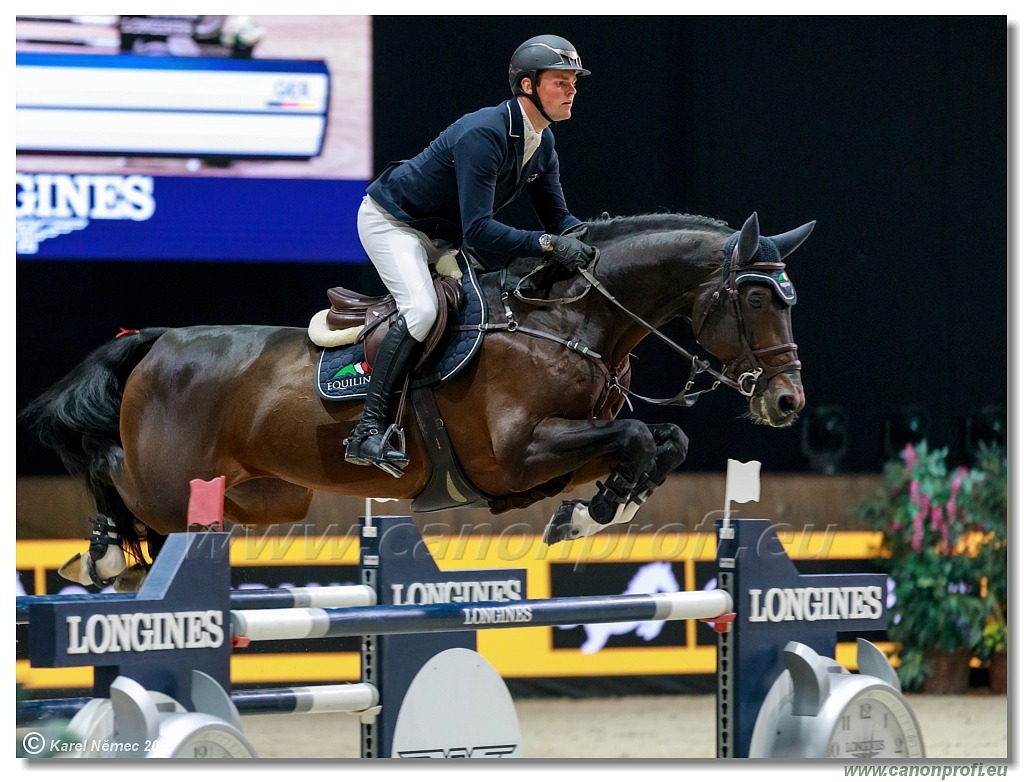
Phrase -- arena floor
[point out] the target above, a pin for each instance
(659, 727)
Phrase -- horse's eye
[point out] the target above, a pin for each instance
(756, 299)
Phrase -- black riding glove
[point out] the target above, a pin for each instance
(571, 253)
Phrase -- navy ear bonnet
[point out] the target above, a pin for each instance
(767, 253)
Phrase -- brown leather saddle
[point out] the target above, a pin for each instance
(373, 315)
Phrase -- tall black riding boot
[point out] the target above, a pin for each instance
(369, 441)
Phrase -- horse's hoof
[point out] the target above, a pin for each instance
(74, 570)
(130, 579)
(571, 521)
(559, 525)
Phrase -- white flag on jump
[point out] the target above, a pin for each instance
(742, 482)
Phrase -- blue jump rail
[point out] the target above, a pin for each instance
(285, 597)
(298, 623)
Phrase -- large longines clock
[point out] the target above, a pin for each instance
(137, 723)
(819, 709)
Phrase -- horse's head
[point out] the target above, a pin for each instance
(742, 315)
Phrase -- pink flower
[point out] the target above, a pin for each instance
(909, 456)
(938, 523)
(915, 491)
(918, 537)
(955, 484)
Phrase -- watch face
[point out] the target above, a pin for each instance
(876, 723)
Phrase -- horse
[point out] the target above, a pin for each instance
(648, 579)
(532, 415)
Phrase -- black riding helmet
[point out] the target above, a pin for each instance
(542, 53)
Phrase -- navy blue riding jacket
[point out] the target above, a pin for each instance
(452, 189)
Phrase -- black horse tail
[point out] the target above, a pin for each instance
(79, 417)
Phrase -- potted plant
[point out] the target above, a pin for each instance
(938, 547)
(989, 501)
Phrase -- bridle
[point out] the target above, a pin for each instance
(751, 373)
(747, 374)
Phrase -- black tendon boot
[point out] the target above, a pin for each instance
(611, 494)
(369, 441)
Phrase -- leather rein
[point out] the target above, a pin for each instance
(754, 376)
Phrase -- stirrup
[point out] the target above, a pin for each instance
(395, 467)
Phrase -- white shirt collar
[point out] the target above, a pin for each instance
(531, 138)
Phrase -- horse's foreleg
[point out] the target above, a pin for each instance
(672, 445)
(620, 497)
(560, 446)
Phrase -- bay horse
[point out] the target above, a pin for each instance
(533, 414)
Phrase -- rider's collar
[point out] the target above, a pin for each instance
(766, 267)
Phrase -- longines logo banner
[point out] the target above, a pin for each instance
(134, 217)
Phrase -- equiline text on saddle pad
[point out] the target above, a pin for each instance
(343, 373)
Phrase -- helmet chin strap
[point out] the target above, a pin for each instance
(535, 100)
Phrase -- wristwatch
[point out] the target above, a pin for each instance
(546, 243)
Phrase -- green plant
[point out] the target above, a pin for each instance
(993, 640)
(989, 501)
(944, 546)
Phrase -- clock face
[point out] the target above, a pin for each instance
(199, 737)
(876, 723)
(214, 742)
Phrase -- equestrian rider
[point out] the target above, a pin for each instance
(417, 211)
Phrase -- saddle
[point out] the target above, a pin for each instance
(374, 315)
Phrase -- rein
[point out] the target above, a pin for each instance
(747, 383)
(684, 398)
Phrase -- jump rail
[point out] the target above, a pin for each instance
(315, 699)
(344, 596)
(298, 623)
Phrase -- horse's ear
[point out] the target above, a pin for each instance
(749, 242)
(790, 240)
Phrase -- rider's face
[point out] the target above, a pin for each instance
(557, 90)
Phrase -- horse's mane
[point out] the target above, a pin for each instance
(608, 228)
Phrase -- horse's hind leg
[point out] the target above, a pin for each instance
(112, 535)
(265, 501)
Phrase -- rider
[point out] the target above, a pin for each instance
(417, 211)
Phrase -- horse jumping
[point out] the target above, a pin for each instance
(532, 416)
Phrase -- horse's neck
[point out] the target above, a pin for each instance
(656, 278)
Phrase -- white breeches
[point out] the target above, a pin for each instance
(402, 257)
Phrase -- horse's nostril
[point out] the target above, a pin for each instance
(787, 403)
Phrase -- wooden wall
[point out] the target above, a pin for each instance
(59, 507)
